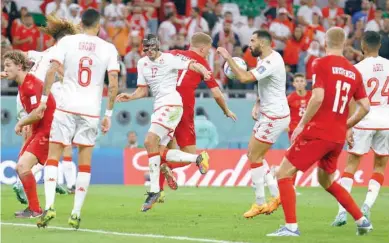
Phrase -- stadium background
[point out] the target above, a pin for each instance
(300, 24)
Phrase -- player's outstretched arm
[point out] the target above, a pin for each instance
(242, 75)
(363, 107)
(31, 118)
(140, 92)
(199, 68)
(219, 98)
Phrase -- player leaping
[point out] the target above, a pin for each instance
(373, 130)
(321, 132)
(159, 71)
(273, 108)
(85, 58)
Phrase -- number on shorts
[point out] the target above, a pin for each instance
(341, 86)
(84, 69)
(179, 82)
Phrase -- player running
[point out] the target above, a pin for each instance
(272, 106)
(85, 58)
(187, 83)
(57, 28)
(321, 132)
(160, 71)
(373, 130)
(36, 147)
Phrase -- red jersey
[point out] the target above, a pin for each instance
(23, 32)
(189, 80)
(297, 104)
(30, 96)
(341, 81)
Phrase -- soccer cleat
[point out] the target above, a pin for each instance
(365, 227)
(203, 162)
(74, 221)
(20, 195)
(46, 217)
(60, 190)
(273, 205)
(340, 219)
(284, 231)
(256, 210)
(366, 211)
(72, 190)
(168, 173)
(161, 198)
(152, 198)
(27, 214)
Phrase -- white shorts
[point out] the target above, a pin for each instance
(267, 130)
(68, 129)
(164, 121)
(378, 140)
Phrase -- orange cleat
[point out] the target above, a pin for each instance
(256, 210)
(273, 205)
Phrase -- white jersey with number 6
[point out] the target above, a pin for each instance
(375, 73)
(85, 58)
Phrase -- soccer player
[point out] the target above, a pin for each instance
(187, 83)
(273, 108)
(85, 58)
(373, 131)
(160, 71)
(35, 149)
(321, 133)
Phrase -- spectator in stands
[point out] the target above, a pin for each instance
(274, 10)
(27, 35)
(131, 59)
(362, 15)
(355, 38)
(212, 13)
(226, 38)
(195, 23)
(313, 53)
(167, 32)
(305, 13)
(375, 24)
(384, 51)
(246, 31)
(151, 7)
(11, 10)
(179, 42)
(18, 21)
(207, 136)
(219, 25)
(58, 8)
(132, 140)
(316, 31)
(75, 11)
(331, 12)
(114, 14)
(386, 12)
(281, 29)
(85, 4)
(4, 24)
(294, 46)
(137, 20)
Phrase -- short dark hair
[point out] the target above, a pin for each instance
(132, 131)
(90, 18)
(28, 14)
(372, 40)
(298, 75)
(264, 34)
(169, 15)
(196, 9)
(200, 111)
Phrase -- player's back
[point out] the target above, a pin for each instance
(341, 81)
(86, 58)
(41, 62)
(375, 74)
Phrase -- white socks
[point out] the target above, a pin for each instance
(50, 180)
(372, 193)
(175, 155)
(272, 184)
(257, 177)
(69, 173)
(347, 183)
(82, 184)
(154, 167)
(292, 227)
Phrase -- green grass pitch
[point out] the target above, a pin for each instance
(204, 213)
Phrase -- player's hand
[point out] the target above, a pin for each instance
(231, 115)
(223, 52)
(3, 74)
(41, 109)
(18, 129)
(123, 97)
(106, 124)
(350, 138)
(255, 112)
(297, 132)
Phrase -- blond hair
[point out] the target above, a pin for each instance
(58, 28)
(18, 58)
(199, 38)
(335, 38)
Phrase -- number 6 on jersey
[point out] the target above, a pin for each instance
(83, 68)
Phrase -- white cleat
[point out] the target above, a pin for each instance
(340, 219)
(364, 228)
(284, 231)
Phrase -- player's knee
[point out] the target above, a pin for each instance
(380, 163)
(151, 142)
(253, 157)
(21, 168)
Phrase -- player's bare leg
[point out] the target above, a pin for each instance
(375, 183)
(50, 183)
(68, 169)
(23, 169)
(346, 182)
(255, 154)
(82, 183)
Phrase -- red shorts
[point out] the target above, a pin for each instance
(38, 145)
(185, 131)
(306, 151)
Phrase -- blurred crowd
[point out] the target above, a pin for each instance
(297, 26)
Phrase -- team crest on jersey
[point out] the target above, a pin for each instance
(161, 61)
(261, 69)
(267, 61)
(145, 64)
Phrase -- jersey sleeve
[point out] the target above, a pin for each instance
(360, 92)
(141, 82)
(264, 70)
(34, 93)
(113, 63)
(34, 55)
(317, 76)
(179, 64)
(59, 53)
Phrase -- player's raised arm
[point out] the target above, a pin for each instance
(140, 92)
(199, 68)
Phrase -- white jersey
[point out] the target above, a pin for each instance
(85, 58)
(375, 74)
(161, 76)
(271, 76)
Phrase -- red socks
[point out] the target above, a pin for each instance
(29, 185)
(288, 199)
(345, 199)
